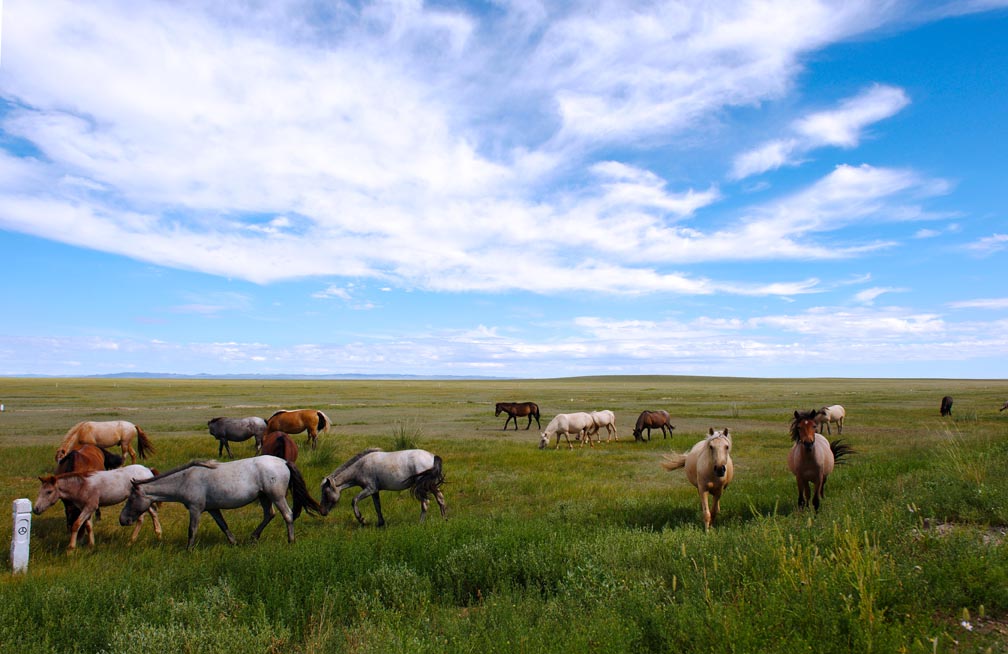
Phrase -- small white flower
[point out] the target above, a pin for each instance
(966, 625)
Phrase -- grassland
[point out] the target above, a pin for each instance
(560, 551)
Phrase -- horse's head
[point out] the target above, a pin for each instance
(498, 410)
(330, 496)
(48, 494)
(719, 447)
(803, 428)
(136, 505)
(543, 441)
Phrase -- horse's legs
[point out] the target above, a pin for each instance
(704, 505)
(441, 504)
(802, 493)
(219, 519)
(287, 514)
(268, 513)
(194, 516)
(128, 448)
(154, 519)
(83, 520)
(528, 426)
(377, 508)
(313, 437)
(367, 492)
(716, 508)
(227, 446)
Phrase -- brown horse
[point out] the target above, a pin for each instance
(517, 410)
(86, 458)
(946, 406)
(812, 457)
(298, 420)
(277, 443)
(652, 420)
(106, 434)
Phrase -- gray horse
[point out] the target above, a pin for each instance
(236, 430)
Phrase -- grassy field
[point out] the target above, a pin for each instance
(556, 550)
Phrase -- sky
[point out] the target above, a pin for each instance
(508, 188)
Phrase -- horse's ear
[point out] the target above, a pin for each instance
(796, 414)
(710, 432)
(725, 431)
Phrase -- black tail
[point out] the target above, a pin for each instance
(112, 461)
(840, 450)
(426, 482)
(302, 499)
(322, 423)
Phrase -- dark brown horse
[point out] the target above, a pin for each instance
(517, 410)
(299, 420)
(85, 459)
(946, 405)
(277, 443)
(652, 420)
(812, 458)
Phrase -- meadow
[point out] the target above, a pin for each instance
(590, 550)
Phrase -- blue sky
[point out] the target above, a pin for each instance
(512, 188)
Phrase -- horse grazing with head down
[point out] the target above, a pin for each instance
(237, 430)
(565, 424)
(708, 467)
(279, 444)
(946, 406)
(812, 457)
(106, 434)
(652, 420)
(298, 420)
(516, 410)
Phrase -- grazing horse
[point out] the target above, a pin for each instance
(517, 410)
(374, 470)
(946, 405)
(1003, 407)
(211, 486)
(565, 424)
(86, 458)
(297, 420)
(237, 430)
(277, 443)
(812, 457)
(604, 418)
(106, 434)
(652, 420)
(831, 414)
(708, 467)
(90, 490)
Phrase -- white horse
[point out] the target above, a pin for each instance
(708, 467)
(565, 424)
(831, 414)
(607, 419)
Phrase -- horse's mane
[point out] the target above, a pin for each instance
(354, 459)
(65, 475)
(797, 420)
(202, 463)
(277, 413)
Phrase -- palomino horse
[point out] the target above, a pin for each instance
(297, 420)
(88, 491)
(708, 467)
(277, 443)
(652, 420)
(517, 410)
(374, 470)
(831, 414)
(565, 424)
(946, 406)
(237, 430)
(607, 419)
(812, 457)
(211, 486)
(106, 434)
(86, 458)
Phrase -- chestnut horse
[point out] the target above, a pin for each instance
(812, 457)
(298, 420)
(517, 410)
(86, 458)
(652, 420)
(279, 444)
(106, 434)
(708, 467)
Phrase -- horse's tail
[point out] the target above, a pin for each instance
(143, 443)
(323, 421)
(840, 450)
(426, 482)
(673, 462)
(111, 460)
(298, 488)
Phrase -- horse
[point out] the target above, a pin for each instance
(90, 490)
(600, 419)
(236, 430)
(86, 458)
(708, 467)
(565, 424)
(517, 410)
(374, 470)
(106, 434)
(812, 457)
(946, 406)
(297, 420)
(279, 444)
(211, 486)
(652, 420)
(831, 414)
(1003, 407)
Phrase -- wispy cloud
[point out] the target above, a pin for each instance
(989, 245)
(981, 303)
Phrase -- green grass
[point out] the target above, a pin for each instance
(544, 550)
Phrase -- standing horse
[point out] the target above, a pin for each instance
(565, 424)
(812, 457)
(946, 406)
(604, 418)
(211, 486)
(90, 490)
(106, 434)
(517, 410)
(86, 458)
(279, 444)
(831, 414)
(652, 420)
(708, 467)
(374, 470)
(237, 430)
(297, 420)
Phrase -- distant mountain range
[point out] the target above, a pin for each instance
(348, 376)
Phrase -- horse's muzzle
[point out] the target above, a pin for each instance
(719, 471)
(808, 446)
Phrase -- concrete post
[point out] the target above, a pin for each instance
(22, 534)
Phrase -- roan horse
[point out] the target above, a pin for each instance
(708, 467)
(237, 430)
(374, 470)
(279, 444)
(297, 420)
(831, 414)
(86, 458)
(106, 434)
(812, 457)
(517, 410)
(565, 424)
(652, 420)
(88, 491)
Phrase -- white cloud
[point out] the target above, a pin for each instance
(989, 244)
(982, 303)
(869, 295)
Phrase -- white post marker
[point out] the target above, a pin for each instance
(22, 533)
